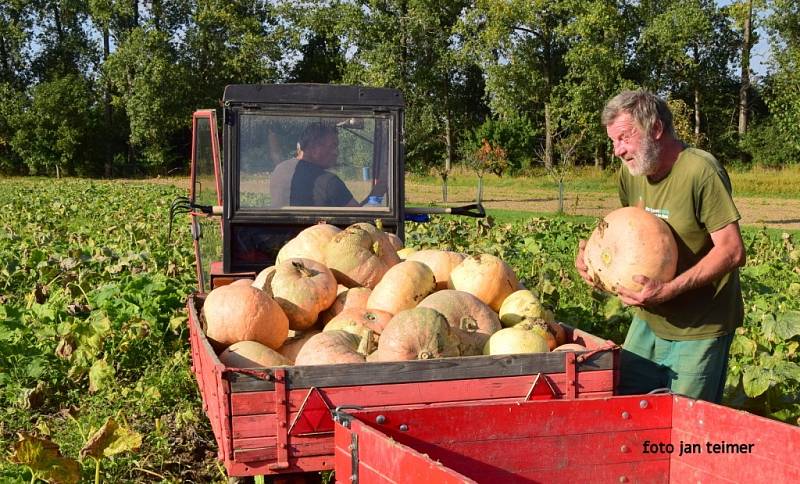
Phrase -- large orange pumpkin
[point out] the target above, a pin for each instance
(627, 242)
(416, 334)
(236, 313)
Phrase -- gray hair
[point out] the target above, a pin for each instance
(644, 107)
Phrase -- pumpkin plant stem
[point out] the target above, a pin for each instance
(97, 471)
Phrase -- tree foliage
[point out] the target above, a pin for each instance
(526, 75)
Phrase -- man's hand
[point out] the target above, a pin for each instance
(652, 292)
(580, 265)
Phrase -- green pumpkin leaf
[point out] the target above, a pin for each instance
(742, 345)
(111, 439)
(100, 375)
(755, 381)
(44, 459)
(787, 325)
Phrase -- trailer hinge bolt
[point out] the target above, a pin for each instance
(403, 428)
(626, 415)
(380, 419)
(642, 403)
(351, 447)
(354, 478)
(623, 479)
(624, 449)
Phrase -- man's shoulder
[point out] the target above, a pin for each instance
(699, 161)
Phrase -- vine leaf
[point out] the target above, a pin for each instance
(111, 439)
(44, 459)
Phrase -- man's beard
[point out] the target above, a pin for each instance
(646, 160)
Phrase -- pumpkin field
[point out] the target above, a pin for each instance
(95, 378)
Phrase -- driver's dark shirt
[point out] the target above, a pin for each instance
(301, 183)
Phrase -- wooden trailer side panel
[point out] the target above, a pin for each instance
(749, 448)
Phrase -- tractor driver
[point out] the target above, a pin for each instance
(305, 180)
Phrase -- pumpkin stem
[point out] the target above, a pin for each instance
(367, 343)
(379, 224)
(424, 355)
(468, 324)
(303, 269)
(376, 248)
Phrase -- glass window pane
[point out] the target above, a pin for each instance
(315, 162)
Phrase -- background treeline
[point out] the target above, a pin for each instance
(107, 87)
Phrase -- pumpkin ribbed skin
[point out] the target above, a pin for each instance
(251, 354)
(441, 262)
(329, 348)
(627, 242)
(402, 287)
(523, 304)
(486, 277)
(303, 288)
(353, 298)
(308, 244)
(292, 346)
(416, 334)
(371, 319)
(470, 318)
(236, 313)
(360, 255)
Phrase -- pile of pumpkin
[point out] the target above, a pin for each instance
(356, 295)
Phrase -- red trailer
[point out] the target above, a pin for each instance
(643, 438)
(277, 421)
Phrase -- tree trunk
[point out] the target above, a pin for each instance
(744, 109)
(599, 161)
(107, 108)
(548, 138)
(697, 115)
(448, 160)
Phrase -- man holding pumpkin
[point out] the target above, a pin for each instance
(682, 329)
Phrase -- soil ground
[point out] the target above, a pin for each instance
(776, 213)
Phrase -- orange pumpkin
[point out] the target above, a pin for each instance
(470, 318)
(308, 244)
(402, 287)
(441, 262)
(237, 312)
(486, 277)
(360, 255)
(330, 347)
(303, 288)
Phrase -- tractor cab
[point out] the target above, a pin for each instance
(294, 155)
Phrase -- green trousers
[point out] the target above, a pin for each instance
(695, 368)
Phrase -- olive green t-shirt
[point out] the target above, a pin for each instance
(695, 200)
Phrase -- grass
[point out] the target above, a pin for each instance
(757, 181)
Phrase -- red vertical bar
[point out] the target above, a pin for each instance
(571, 369)
(281, 419)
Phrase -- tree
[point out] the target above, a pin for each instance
(691, 46)
(521, 46)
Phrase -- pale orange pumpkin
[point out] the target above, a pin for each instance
(472, 320)
(402, 287)
(441, 262)
(237, 312)
(303, 288)
(293, 345)
(360, 255)
(627, 242)
(330, 347)
(416, 334)
(309, 243)
(353, 298)
(251, 354)
(486, 277)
